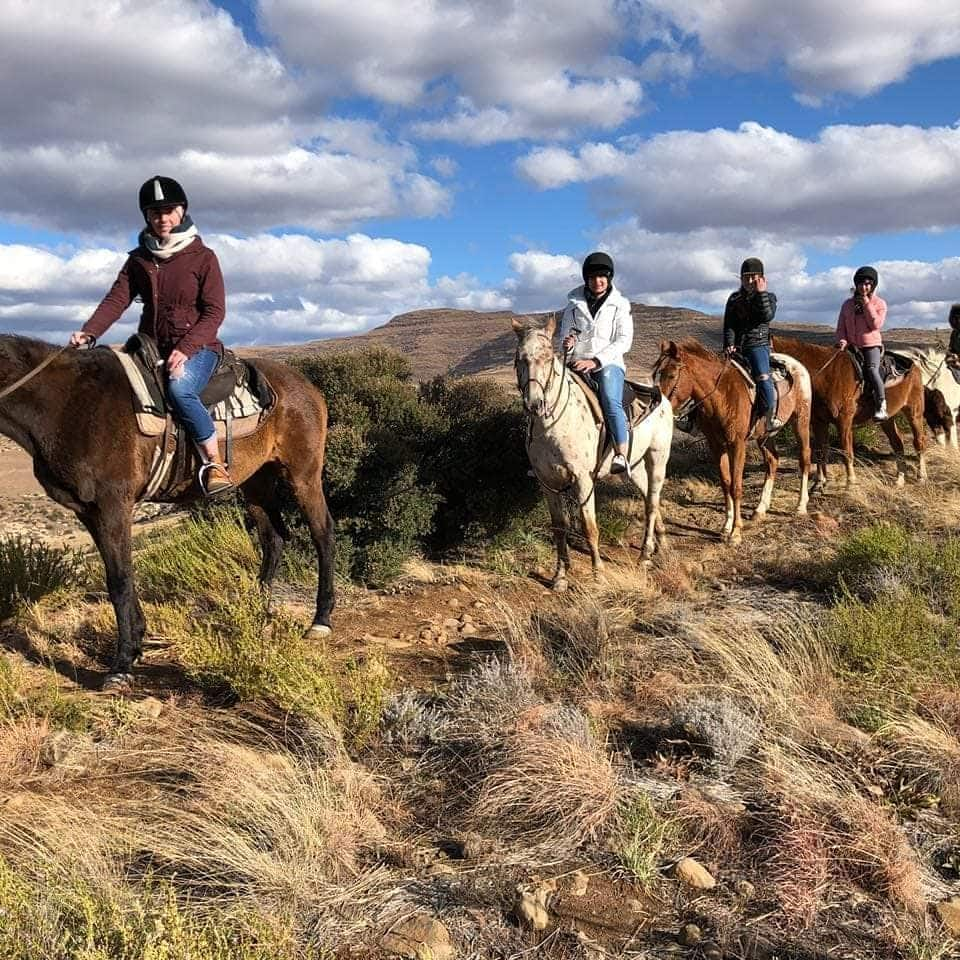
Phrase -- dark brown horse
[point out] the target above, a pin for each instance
(75, 419)
(689, 374)
(838, 399)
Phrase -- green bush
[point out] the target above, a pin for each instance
(30, 570)
(431, 468)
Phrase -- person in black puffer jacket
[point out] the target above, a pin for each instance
(746, 329)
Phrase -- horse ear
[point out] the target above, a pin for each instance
(670, 347)
(518, 326)
(551, 328)
(664, 346)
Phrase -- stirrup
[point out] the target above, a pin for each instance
(620, 464)
(216, 489)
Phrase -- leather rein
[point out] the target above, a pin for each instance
(27, 377)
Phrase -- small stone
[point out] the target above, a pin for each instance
(579, 884)
(149, 707)
(690, 935)
(62, 749)
(426, 634)
(949, 913)
(711, 951)
(468, 630)
(419, 938)
(466, 618)
(441, 869)
(745, 889)
(532, 912)
(453, 602)
(694, 874)
(478, 604)
(636, 906)
(451, 625)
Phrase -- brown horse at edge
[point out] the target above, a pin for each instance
(838, 398)
(690, 374)
(75, 420)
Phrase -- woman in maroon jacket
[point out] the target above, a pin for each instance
(179, 281)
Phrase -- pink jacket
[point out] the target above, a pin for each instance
(862, 329)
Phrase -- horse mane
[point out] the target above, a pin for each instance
(18, 349)
(795, 346)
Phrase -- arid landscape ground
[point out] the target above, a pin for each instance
(730, 752)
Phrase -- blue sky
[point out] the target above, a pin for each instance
(351, 161)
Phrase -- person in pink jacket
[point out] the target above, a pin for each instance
(861, 318)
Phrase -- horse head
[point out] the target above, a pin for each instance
(535, 363)
(667, 371)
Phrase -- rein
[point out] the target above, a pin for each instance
(26, 378)
(689, 406)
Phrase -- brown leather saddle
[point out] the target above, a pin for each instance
(894, 367)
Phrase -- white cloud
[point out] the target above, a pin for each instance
(826, 47)
(88, 112)
(851, 180)
(515, 70)
(279, 289)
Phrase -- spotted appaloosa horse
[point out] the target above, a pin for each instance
(75, 419)
(564, 440)
(689, 374)
(838, 399)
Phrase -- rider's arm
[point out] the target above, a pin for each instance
(212, 300)
(729, 331)
(622, 337)
(111, 307)
(875, 310)
(842, 332)
(763, 307)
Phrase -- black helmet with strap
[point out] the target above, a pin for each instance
(866, 273)
(161, 192)
(595, 263)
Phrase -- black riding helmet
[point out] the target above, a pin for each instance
(161, 192)
(866, 273)
(954, 317)
(595, 263)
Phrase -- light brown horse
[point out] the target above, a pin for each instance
(709, 387)
(75, 418)
(838, 399)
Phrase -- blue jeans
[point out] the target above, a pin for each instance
(185, 393)
(759, 359)
(609, 384)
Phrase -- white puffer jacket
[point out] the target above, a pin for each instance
(607, 336)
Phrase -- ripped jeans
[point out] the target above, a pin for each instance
(608, 382)
(759, 360)
(185, 390)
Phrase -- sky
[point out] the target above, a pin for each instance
(351, 161)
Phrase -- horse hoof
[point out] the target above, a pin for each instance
(318, 631)
(117, 683)
(559, 585)
(900, 481)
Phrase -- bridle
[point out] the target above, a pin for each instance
(689, 406)
(524, 386)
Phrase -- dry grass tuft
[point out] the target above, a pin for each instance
(553, 784)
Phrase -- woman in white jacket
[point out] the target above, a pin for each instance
(596, 330)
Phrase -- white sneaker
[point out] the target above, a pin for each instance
(620, 464)
(881, 413)
(774, 424)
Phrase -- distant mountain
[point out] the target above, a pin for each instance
(469, 342)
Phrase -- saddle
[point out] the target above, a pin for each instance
(779, 377)
(238, 396)
(893, 366)
(639, 401)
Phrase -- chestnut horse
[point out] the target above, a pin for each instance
(709, 387)
(75, 418)
(563, 444)
(838, 398)
(941, 392)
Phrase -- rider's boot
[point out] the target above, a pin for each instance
(214, 479)
(620, 463)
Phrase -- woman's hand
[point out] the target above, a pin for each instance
(586, 366)
(175, 363)
(841, 344)
(761, 284)
(79, 338)
(569, 342)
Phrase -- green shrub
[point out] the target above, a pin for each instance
(879, 545)
(30, 569)
(208, 555)
(641, 838)
(56, 918)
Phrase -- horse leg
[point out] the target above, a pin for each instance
(656, 470)
(585, 492)
(771, 459)
(845, 429)
(952, 428)
(305, 482)
(802, 430)
(737, 460)
(918, 429)
(260, 493)
(723, 463)
(889, 427)
(109, 525)
(558, 520)
(821, 446)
